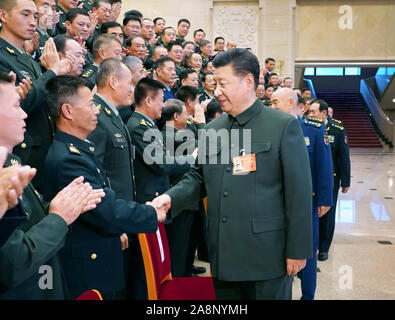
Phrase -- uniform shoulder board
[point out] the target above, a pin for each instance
(314, 119)
(73, 149)
(313, 124)
(98, 106)
(189, 121)
(107, 111)
(12, 51)
(87, 74)
(144, 123)
(340, 127)
(338, 121)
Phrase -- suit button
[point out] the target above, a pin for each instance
(156, 194)
(334, 174)
(23, 145)
(224, 219)
(226, 194)
(93, 256)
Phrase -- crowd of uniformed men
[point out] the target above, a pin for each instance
(80, 93)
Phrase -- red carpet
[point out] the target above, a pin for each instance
(349, 108)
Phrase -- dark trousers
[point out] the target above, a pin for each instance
(308, 275)
(272, 289)
(136, 283)
(178, 237)
(197, 237)
(327, 222)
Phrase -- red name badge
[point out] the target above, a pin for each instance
(244, 164)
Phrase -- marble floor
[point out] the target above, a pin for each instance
(361, 264)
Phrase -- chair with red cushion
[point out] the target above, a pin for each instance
(90, 295)
(161, 285)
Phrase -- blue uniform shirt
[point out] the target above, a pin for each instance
(317, 144)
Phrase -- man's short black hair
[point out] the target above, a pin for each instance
(161, 62)
(206, 74)
(268, 85)
(8, 5)
(273, 74)
(131, 17)
(185, 73)
(74, 12)
(172, 44)
(267, 60)
(172, 106)
(96, 4)
(157, 19)
(212, 108)
(185, 43)
(60, 41)
(5, 78)
(322, 103)
(301, 100)
(61, 90)
(129, 41)
(198, 30)
(218, 38)
(107, 25)
(242, 61)
(183, 20)
(187, 92)
(146, 87)
(135, 13)
(305, 89)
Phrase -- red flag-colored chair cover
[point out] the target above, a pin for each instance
(90, 295)
(161, 285)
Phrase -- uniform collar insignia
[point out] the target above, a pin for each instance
(107, 111)
(74, 149)
(118, 135)
(98, 106)
(12, 51)
(14, 162)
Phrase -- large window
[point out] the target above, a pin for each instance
(327, 71)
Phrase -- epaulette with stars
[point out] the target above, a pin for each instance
(312, 123)
(337, 126)
(314, 119)
(87, 74)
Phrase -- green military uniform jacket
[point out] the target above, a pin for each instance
(256, 220)
(60, 26)
(153, 165)
(92, 257)
(39, 125)
(114, 150)
(32, 245)
(90, 75)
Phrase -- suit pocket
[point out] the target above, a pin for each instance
(258, 147)
(260, 225)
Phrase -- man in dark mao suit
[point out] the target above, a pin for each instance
(259, 228)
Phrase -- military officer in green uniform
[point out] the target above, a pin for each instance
(62, 7)
(259, 225)
(39, 125)
(92, 255)
(31, 249)
(105, 47)
(114, 149)
(341, 171)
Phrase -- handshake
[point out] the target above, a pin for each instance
(162, 204)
